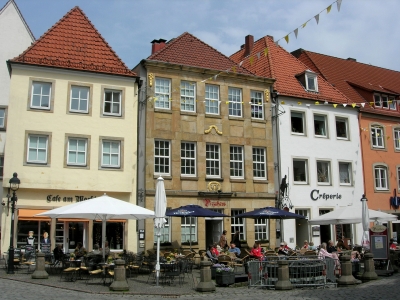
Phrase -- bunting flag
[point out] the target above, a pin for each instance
(265, 51)
(339, 3)
(328, 9)
(363, 104)
(316, 17)
(251, 60)
(353, 105)
(305, 24)
(316, 102)
(287, 39)
(334, 105)
(296, 32)
(299, 103)
(344, 105)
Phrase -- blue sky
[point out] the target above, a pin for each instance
(363, 29)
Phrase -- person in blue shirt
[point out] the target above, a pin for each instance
(234, 249)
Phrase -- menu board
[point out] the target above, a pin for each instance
(379, 242)
(45, 248)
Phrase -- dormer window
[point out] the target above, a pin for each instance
(309, 81)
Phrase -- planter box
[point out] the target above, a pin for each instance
(225, 278)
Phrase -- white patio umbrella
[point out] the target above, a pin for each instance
(101, 208)
(347, 215)
(365, 222)
(160, 206)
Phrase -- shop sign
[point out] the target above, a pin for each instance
(315, 195)
(214, 203)
(58, 198)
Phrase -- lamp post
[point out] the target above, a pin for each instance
(14, 186)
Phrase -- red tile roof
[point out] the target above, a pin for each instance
(190, 51)
(74, 43)
(349, 75)
(282, 66)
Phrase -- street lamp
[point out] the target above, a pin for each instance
(14, 186)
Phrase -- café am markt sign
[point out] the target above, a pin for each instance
(58, 198)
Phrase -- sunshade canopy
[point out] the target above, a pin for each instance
(192, 210)
(270, 213)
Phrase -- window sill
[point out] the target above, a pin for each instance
(214, 179)
(378, 148)
(165, 177)
(238, 180)
(300, 183)
(188, 178)
(381, 191)
(30, 164)
(38, 109)
(298, 133)
(111, 168)
(342, 138)
(258, 121)
(213, 116)
(189, 113)
(233, 118)
(163, 110)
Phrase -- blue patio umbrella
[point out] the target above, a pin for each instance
(192, 210)
(269, 213)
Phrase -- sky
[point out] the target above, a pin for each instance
(366, 30)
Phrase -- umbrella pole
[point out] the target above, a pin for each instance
(190, 233)
(103, 237)
(158, 256)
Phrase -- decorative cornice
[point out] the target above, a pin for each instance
(211, 127)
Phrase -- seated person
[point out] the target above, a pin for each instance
(340, 245)
(323, 253)
(212, 257)
(392, 245)
(58, 252)
(305, 246)
(80, 251)
(214, 250)
(311, 246)
(106, 249)
(256, 251)
(282, 249)
(234, 249)
(355, 256)
(331, 248)
(95, 251)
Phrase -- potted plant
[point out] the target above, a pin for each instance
(72, 256)
(225, 275)
(214, 270)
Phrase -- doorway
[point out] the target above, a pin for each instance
(75, 233)
(325, 230)
(302, 227)
(213, 231)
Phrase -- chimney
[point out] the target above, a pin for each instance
(248, 45)
(352, 59)
(157, 45)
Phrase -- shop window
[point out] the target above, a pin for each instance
(188, 229)
(238, 224)
(114, 234)
(37, 227)
(261, 229)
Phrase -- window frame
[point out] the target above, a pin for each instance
(162, 157)
(381, 167)
(396, 139)
(235, 106)
(306, 172)
(259, 165)
(76, 164)
(350, 173)
(209, 100)
(213, 160)
(185, 98)
(28, 135)
(236, 162)
(304, 123)
(329, 172)
(394, 102)
(120, 141)
(312, 76)
(398, 177)
(88, 110)
(257, 104)
(261, 228)
(377, 100)
(325, 122)
(238, 223)
(385, 104)
(166, 96)
(52, 83)
(164, 231)
(3, 126)
(112, 114)
(346, 122)
(188, 223)
(374, 128)
(192, 160)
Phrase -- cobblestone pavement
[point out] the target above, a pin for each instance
(20, 286)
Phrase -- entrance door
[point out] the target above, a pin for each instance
(325, 230)
(213, 231)
(302, 232)
(75, 235)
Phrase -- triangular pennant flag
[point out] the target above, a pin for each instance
(334, 105)
(282, 102)
(296, 31)
(287, 39)
(299, 103)
(234, 69)
(328, 9)
(338, 2)
(353, 104)
(227, 102)
(258, 55)
(316, 102)
(251, 59)
(265, 51)
(304, 25)
(371, 103)
(240, 64)
(388, 137)
(317, 18)
(363, 104)
(344, 105)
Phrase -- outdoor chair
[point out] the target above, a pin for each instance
(225, 259)
(213, 259)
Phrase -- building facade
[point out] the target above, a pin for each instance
(205, 127)
(72, 116)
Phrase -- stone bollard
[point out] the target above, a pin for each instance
(347, 277)
(205, 284)
(119, 283)
(283, 282)
(369, 268)
(40, 270)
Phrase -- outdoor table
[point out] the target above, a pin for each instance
(105, 267)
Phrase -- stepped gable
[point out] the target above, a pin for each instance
(284, 67)
(74, 43)
(188, 50)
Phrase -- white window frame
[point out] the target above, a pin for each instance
(396, 138)
(162, 93)
(377, 136)
(259, 163)
(162, 157)
(185, 229)
(188, 96)
(165, 232)
(385, 101)
(235, 102)
(346, 122)
(2, 117)
(393, 104)
(305, 161)
(212, 99)
(349, 173)
(76, 151)
(236, 162)
(41, 95)
(37, 149)
(381, 181)
(213, 160)
(303, 119)
(257, 105)
(110, 154)
(324, 170)
(238, 223)
(311, 76)
(321, 118)
(112, 102)
(261, 229)
(79, 99)
(377, 100)
(188, 159)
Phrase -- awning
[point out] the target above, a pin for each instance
(29, 214)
